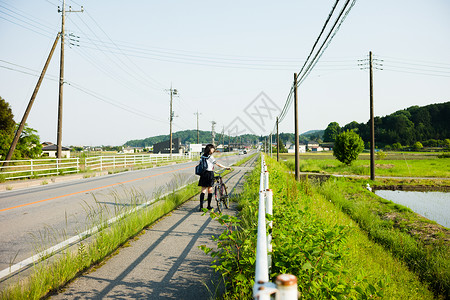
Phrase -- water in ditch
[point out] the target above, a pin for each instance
(432, 205)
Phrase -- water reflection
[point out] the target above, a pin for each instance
(432, 205)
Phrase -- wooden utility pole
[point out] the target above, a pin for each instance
(297, 143)
(61, 78)
(223, 136)
(172, 92)
(372, 122)
(213, 132)
(270, 145)
(61, 84)
(198, 133)
(30, 104)
(278, 143)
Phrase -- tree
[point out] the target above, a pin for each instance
(351, 126)
(6, 127)
(333, 129)
(447, 144)
(396, 146)
(28, 145)
(347, 146)
(282, 148)
(417, 146)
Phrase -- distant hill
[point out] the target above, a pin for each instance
(190, 136)
(427, 124)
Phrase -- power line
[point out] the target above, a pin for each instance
(96, 95)
(152, 79)
(320, 34)
(120, 63)
(304, 72)
(328, 39)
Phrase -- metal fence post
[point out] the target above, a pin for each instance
(266, 180)
(261, 271)
(101, 163)
(31, 165)
(287, 287)
(78, 164)
(269, 211)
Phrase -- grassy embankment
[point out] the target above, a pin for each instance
(333, 253)
(421, 243)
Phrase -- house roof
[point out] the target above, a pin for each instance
(54, 148)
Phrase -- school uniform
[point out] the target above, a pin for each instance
(207, 178)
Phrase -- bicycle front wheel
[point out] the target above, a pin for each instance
(217, 197)
(224, 195)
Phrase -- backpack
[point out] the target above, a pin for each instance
(202, 166)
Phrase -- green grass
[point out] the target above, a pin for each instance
(355, 266)
(243, 161)
(403, 165)
(421, 244)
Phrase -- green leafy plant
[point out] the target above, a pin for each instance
(347, 147)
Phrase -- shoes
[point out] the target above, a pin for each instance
(200, 209)
(209, 207)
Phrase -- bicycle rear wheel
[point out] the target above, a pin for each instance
(218, 198)
(224, 194)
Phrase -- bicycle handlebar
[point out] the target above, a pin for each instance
(219, 172)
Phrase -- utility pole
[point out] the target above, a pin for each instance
(372, 122)
(172, 92)
(223, 136)
(30, 104)
(213, 132)
(270, 145)
(198, 133)
(297, 165)
(61, 77)
(278, 143)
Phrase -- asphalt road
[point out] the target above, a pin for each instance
(34, 219)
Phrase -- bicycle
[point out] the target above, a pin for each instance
(220, 192)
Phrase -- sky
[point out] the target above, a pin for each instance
(232, 61)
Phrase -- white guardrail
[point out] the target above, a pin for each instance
(30, 168)
(285, 286)
(123, 161)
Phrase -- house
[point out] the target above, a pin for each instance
(45, 144)
(163, 147)
(311, 145)
(301, 148)
(50, 151)
(128, 150)
(316, 149)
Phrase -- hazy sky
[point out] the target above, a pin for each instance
(220, 56)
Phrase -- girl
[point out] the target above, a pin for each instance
(207, 178)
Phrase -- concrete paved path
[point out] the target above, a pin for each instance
(164, 262)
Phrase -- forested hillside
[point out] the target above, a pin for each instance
(190, 136)
(429, 125)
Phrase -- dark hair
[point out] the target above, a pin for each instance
(208, 149)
